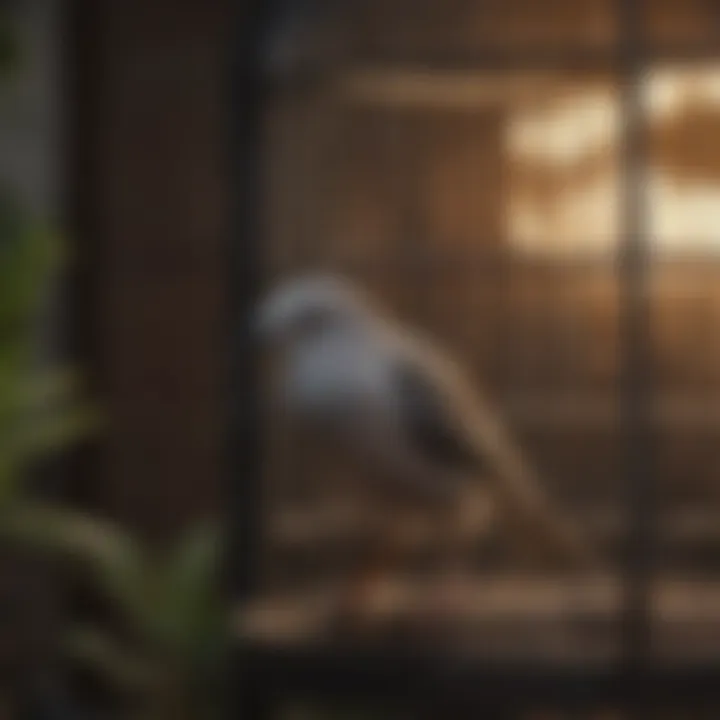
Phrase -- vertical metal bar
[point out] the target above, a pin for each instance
(82, 126)
(636, 339)
(248, 95)
(244, 441)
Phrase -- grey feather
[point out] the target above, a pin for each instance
(430, 425)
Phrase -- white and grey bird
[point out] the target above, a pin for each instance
(389, 395)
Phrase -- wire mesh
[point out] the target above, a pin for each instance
(483, 168)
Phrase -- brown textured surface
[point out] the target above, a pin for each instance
(157, 177)
(506, 617)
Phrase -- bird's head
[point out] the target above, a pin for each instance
(307, 306)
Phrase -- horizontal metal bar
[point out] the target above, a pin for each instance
(405, 678)
(499, 59)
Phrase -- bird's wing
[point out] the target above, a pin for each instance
(450, 425)
(426, 414)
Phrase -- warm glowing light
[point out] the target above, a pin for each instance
(684, 217)
(572, 204)
(669, 92)
(565, 133)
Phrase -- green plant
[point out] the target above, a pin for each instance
(39, 408)
(165, 661)
(39, 411)
(164, 656)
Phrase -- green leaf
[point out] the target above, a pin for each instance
(48, 432)
(105, 655)
(29, 256)
(110, 556)
(189, 619)
(47, 388)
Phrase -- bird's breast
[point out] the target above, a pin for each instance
(336, 383)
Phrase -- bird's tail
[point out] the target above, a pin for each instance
(528, 509)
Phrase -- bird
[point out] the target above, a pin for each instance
(359, 379)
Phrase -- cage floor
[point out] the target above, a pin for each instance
(512, 617)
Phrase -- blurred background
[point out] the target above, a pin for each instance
(488, 169)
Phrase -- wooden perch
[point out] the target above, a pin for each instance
(514, 616)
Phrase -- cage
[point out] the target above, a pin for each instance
(534, 185)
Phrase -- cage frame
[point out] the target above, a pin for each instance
(261, 677)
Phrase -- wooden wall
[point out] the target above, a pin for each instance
(150, 152)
